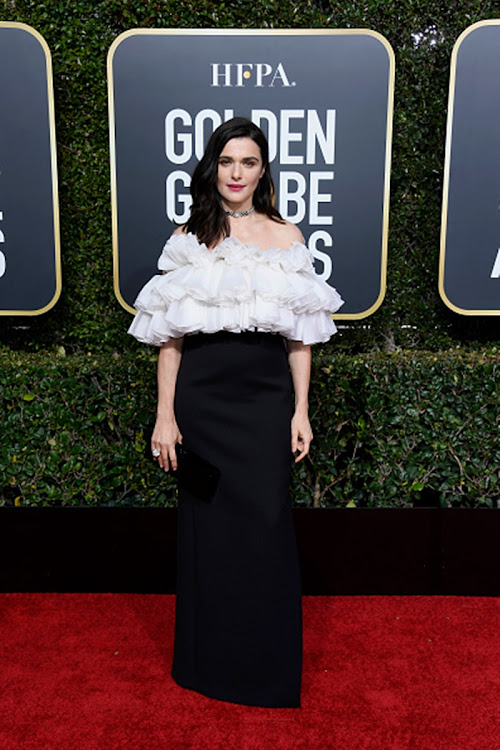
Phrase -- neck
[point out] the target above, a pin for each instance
(239, 214)
(237, 206)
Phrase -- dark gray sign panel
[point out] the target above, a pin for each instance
(30, 267)
(323, 98)
(469, 274)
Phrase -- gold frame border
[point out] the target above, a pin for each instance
(53, 164)
(447, 165)
(258, 32)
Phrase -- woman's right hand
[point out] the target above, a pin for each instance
(165, 435)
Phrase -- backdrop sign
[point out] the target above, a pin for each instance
(323, 98)
(30, 268)
(469, 278)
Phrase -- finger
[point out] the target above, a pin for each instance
(303, 453)
(299, 443)
(305, 440)
(156, 447)
(172, 456)
(163, 458)
(304, 445)
(295, 439)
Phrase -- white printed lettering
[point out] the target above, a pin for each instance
(272, 129)
(287, 137)
(280, 75)
(495, 271)
(262, 70)
(243, 70)
(183, 139)
(199, 128)
(287, 195)
(216, 74)
(172, 198)
(319, 255)
(316, 135)
(315, 198)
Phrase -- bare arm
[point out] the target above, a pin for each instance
(299, 358)
(166, 432)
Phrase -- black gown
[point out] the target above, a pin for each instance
(238, 628)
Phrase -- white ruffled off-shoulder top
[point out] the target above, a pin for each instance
(234, 287)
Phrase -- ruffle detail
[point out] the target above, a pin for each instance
(235, 287)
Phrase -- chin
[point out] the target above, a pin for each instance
(238, 198)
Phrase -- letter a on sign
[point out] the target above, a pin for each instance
(495, 274)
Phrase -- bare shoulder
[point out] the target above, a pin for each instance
(267, 233)
(284, 235)
(180, 230)
(292, 232)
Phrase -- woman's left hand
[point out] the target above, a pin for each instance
(301, 435)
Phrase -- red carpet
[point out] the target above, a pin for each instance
(92, 672)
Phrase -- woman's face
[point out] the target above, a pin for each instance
(239, 171)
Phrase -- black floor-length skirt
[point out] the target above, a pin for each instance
(238, 628)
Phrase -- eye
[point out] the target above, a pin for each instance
(224, 162)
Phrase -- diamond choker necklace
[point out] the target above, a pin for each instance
(239, 214)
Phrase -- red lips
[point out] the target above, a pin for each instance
(236, 187)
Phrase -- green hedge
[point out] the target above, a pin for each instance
(388, 428)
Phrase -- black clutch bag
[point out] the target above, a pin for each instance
(195, 474)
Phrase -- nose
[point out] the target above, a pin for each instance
(236, 170)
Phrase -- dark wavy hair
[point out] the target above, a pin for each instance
(208, 220)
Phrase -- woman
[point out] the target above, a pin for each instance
(236, 311)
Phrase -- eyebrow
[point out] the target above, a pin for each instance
(245, 158)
